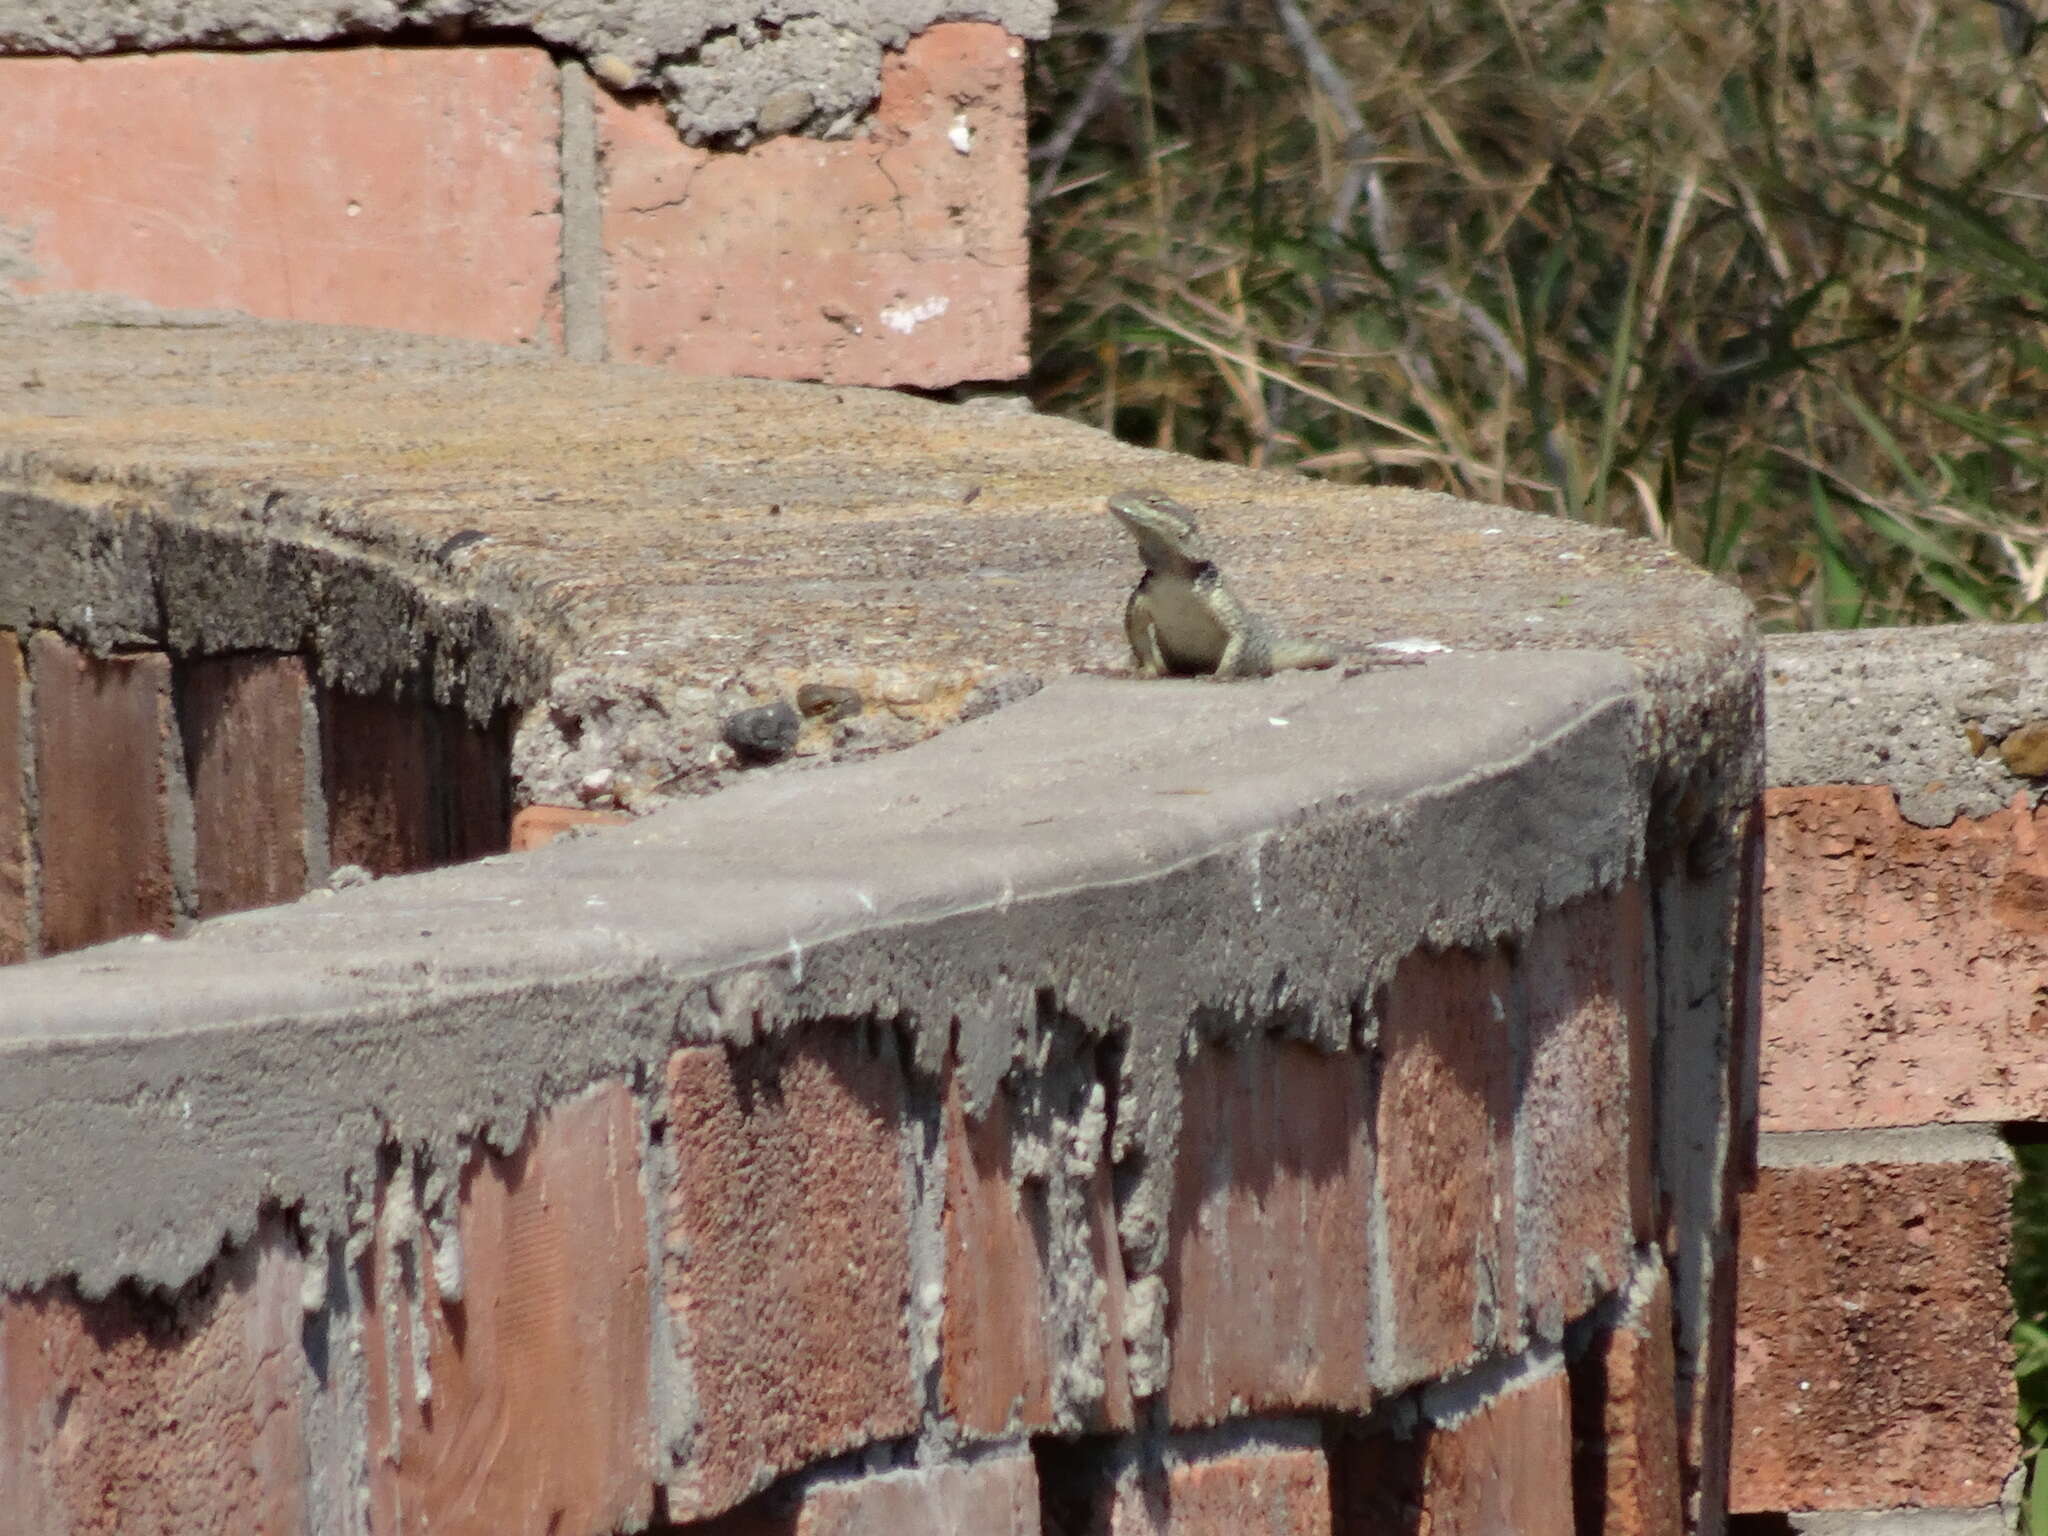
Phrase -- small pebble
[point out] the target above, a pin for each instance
(763, 734)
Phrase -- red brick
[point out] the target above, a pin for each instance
(996, 1361)
(478, 771)
(1872, 1365)
(103, 832)
(14, 912)
(532, 1412)
(1625, 1424)
(1901, 964)
(786, 1259)
(1445, 1126)
(1270, 1492)
(1507, 1468)
(380, 760)
(243, 719)
(536, 826)
(999, 1338)
(1583, 1174)
(405, 187)
(989, 1498)
(127, 1418)
(1269, 1265)
(887, 258)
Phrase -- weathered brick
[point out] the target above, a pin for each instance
(897, 256)
(995, 1358)
(477, 771)
(786, 1258)
(990, 1498)
(1625, 1423)
(405, 187)
(1901, 964)
(1506, 1467)
(135, 1418)
(1271, 1491)
(1445, 1134)
(380, 764)
(103, 726)
(243, 721)
(1872, 1364)
(1583, 1166)
(1002, 1336)
(535, 826)
(1269, 1264)
(522, 1403)
(14, 909)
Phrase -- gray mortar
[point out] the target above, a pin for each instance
(1451, 1401)
(583, 254)
(1894, 707)
(1897, 1144)
(159, 1095)
(729, 70)
(1990, 1520)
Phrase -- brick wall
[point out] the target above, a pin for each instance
(795, 1287)
(1326, 1142)
(1902, 970)
(139, 793)
(492, 192)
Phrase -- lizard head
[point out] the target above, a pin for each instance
(1166, 531)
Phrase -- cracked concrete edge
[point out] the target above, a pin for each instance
(1896, 707)
(728, 74)
(1147, 854)
(202, 572)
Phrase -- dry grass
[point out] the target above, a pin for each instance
(1757, 279)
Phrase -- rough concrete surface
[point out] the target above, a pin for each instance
(634, 556)
(1142, 854)
(1924, 711)
(730, 71)
(1989, 1521)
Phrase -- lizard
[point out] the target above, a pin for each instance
(1182, 618)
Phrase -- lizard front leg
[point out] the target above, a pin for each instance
(1143, 632)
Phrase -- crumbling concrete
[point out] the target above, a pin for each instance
(729, 73)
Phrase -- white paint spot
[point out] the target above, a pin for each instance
(905, 318)
(1411, 645)
(1278, 720)
(960, 136)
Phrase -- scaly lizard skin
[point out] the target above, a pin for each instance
(1183, 621)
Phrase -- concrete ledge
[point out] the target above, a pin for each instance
(630, 556)
(1136, 855)
(1898, 707)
